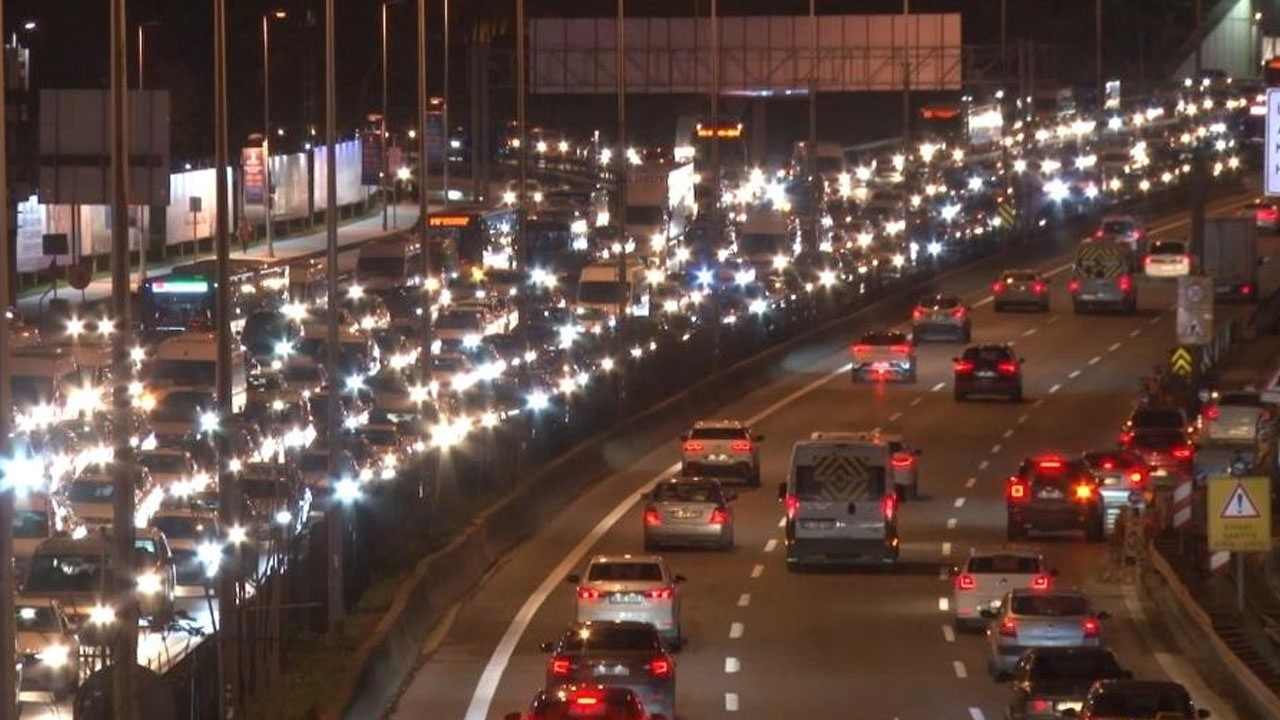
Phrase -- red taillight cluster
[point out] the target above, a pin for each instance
(997, 287)
(1038, 288)
(1137, 478)
(693, 446)
(1073, 286)
(860, 348)
(585, 593)
(1091, 627)
(591, 700)
(1008, 628)
(1182, 452)
(1246, 289)
(1007, 367)
(889, 507)
(740, 446)
(965, 581)
(1211, 413)
(1083, 491)
(1040, 582)
(1125, 438)
(1039, 705)
(652, 516)
(660, 667)
(1126, 283)
(791, 504)
(963, 367)
(718, 517)
(958, 312)
(902, 349)
(1051, 465)
(662, 593)
(902, 461)
(560, 666)
(1017, 490)
(917, 313)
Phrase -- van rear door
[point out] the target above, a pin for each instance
(838, 505)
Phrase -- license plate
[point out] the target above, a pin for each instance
(624, 598)
(1050, 493)
(880, 366)
(1089, 296)
(612, 670)
(985, 374)
(1067, 705)
(818, 524)
(685, 514)
(718, 457)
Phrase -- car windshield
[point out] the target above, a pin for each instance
(29, 524)
(379, 438)
(304, 373)
(1167, 247)
(163, 464)
(177, 527)
(387, 383)
(1158, 419)
(625, 572)
(1147, 703)
(29, 390)
(718, 433)
(987, 354)
(456, 320)
(32, 618)
(69, 572)
(686, 492)
(1014, 564)
(1081, 665)
(183, 406)
(1111, 461)
(1050, 605)
(91, 491)
(313, 463)
(610, 637)
(1242, 399)
(1116, 227)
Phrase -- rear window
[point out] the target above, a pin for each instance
(884, 338)
(1159, 418)
(686, 492)
(1075, 665)
(1167, 247)
(1144, 703)
(612, 706)
(1240, 399)
(987, 354)
(610, 637)
(1111, 461)
(942, 303)
(1116, 227)
(625, 572)
(1013, 564)
(1050, 605)
(716, 433)
(1018, 277)
(813, 485)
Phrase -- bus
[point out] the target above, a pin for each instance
(731, 139)
(941, 122)
(185, 298)
(470, 236)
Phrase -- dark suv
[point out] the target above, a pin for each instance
(1137, 700)
(1048, 680)
(589, 701)
(626, 654)
(1053, 493)
(988, 370)
(1162, 437)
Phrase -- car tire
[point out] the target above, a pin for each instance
(960, 397)
(855, 377)
(915, 490)
(754, 479)
(1097, 530)
(911, 374)
(1077, 308)
(998, 307)
(967, 336)
(1016, 397)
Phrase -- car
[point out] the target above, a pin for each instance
(1163, 436)
(304, 376)
(723, 447)
(585, 701)
(187, 532)
(1124, 480)
(1137, 700)
(155, 576)
(1020, 288)
(1265, 213)
(882, 355)
(688, 511)
(988, 370)
(1124, 228)
(1167, 259)
(1053, 493)
(169, 467)
(1050, 680)
(630, 587)
(989, 573)
(941, 315)
(1233, 417)
(627, 654)
(47, 647)
(1030, 618)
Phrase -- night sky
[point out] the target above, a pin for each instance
(69, 47)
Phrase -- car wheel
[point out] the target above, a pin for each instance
(855, 377)
(1077, 308)
(915, 489)
(967, 335)
(998, 307)
(1016, 396)
(1097, 531)
(959, 396)
(911, 374)
(754, 480)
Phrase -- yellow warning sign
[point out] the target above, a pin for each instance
(1181, 362)
(1239, 513)
(1007, 214)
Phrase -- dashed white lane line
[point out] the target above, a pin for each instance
(995, 449)
(1055, 388)
(946, 549)
(1154, 320)
(735, 630)
(1073, 374)
(782, 522)
(769, 546)
(1008, 434)
(948, 633)
(971, 482)
(744, 599)
(1022, 419)
(961, 672)
(959, 502)
(937, 387)
(916, 401)
(731, 665)
(1135, 333)
(951, 523)
(1053, 318)
(1113, 347)
(731, 702)
(1029, 332)
(976, 714)
(1095, 359)
(757, 571)
(1038, 402)
(894, 417)
(944, 604)
(984, 464)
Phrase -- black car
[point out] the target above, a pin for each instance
(588, 701)
(1162, 436)
(988, 370)
(1048, 680)
(1137, 700)
(626, 654)
(1053, 493)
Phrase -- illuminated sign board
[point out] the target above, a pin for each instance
(448, 221)
(720, 131)
(180, 287)
(939, 113)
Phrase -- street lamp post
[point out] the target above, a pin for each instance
(906, 70)
(143, 216)
(815, 182)
(444, 111)
(522, 186)
(625, 160)
(335, 520)
(267, 199)
(424, 238)
(1097, 49)
(386, 168)
(8, 584)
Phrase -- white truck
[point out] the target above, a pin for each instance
(766, 240)
(660, 204)
(189, 361)
(388, 263)
(601, 290)
(1243, 266)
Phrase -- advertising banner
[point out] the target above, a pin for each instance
(371, 158)
(254, 177)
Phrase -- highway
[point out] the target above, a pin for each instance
(765, 643)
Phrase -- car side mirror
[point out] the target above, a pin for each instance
(547, 646)
(684, 437)
(782, 491)
(1103, 615)
(988, 613)
(681, 579)
(573, 579)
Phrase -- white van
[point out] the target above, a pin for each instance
(841, 507)
(387, 263)
(42, 376)
(599, 289)
(190, 361)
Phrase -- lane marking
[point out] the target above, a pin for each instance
(731, 702)
(735, 630)
(916, 401)
(1055, 388)
(959, 502)
(948, 633)
(769, 546)
(944, 604)
(946, 549)
(1053, 319)
(731, 665)
(894, 417)
(757, 571)
(744, 599)
(1073, 374)
(1113, 347)
(937, 387)
(971, 482)
(1029, 332)
(961, 672)
(1135, 333)
(951, 523)
(984, 464)
(1154, 320)
(995, 449)
(976, 714)
(1038, 402)
(1095, 359)
(1008, 434)
(782, 522)
(1023, 419)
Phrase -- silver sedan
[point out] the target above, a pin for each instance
(1038, 618)
(688, 511)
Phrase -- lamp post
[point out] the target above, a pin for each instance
(8, 584)
(444, 111)
(906, 70)
(815, 181)
(424, 239)
(624, 157)
(522, 187)
(1097, 49)
(336, 517)
(142, 85)
(386, 82)
(267, 200)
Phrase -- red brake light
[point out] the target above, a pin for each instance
(560, 666)
(1126, 283)
(1073, 286)
(889, 507)
(1125, 438)
(902, 461)
(1040, 582)
(694, 446)
(963, 367)
(917, 313)
(718, 517)
(586, 700)
(958, 312)
(740, 446)
(652, 516)
(1182, 452)
(1017, 490)
(1039, 705)
(662, 593)
(1092, 628)
(1008, 628)
(1246, 289)
(860, 347)
(1212, 412)
(965, 581)
(588, 593)
(1136, 478)
(1038, 287)
(1007, 367)
(902, 349)
(1107, 465)
(1098, 233)
(1083, 491)
(1049, 464)
(792, 505)
(660, 667)
(997, 287)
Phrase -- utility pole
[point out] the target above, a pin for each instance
(717, 232)
(8, 585)
(144, 217)
(522, 185)
(268, 198)
(1097, 49)
(1198, 36)
(124, 646)
(444, 111)
(336, 517)
(424, 237)
(1004, 40)
(816, 184)
(228, 482)
(382, 141)
(624, 156)
(906, 71)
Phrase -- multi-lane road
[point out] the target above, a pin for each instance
(767, 643)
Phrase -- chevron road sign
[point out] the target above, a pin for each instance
(1181, 361)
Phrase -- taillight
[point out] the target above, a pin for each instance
(963, 367)
(588, 593)
(1091, 627)
(591, 700)
(1211, 413)
(1182, 452)
(1039, 705)
(1040, 582)
(1016, 490)
(792, 505)
(997, 287)
(662, 593)
(652, 516)
(1049, 464)
(1007, 367)
(1038, 288)
(694, 446)
(1125, 438)
(1136, 478)
(902, 461)
(1008, 628)
(958, 312)
(889, 507)
(965, 581)
(1126, 283)
(660, 667)
(917, 313)
(902, 349)
(719, 517)
(1083, 491)
(1098, 233)
(740, 446)
(1246, 289)
(861, 348)
(560, 666)
(1073, 286)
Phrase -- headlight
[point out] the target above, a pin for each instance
(55, 656)
(102, 615)
(149, 583)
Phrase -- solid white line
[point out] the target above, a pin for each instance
(916, 401)
(757, 571)
(995, 449)
(983, 301)
(946, 549)
(971, 482)
(1029, 332)
(1095, 359)
(894, 417)
(735, 630)
(769, 546)
(1073, 374)
(951, 523)
(731, 702)
(1023, 419)
(944, 604)
(959, 502)
(1135, 332)
(961, 672)
(1055, 388)
(948, 633)
(984, 464)
(938, 387)
(1114, 347)
(1008, 434)
(744, 599)
(731, 665)
(976, 714)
